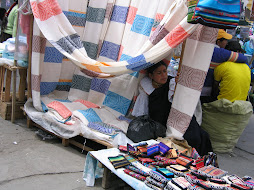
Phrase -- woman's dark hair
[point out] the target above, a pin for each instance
(5, 19)
(2, 13)
(155, 66)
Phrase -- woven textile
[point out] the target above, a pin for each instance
(157, 176)
(155, 183)
(212, 172)
(217, 14)
(122, 148)
(139, 171)
(184, 160)
(62, 24)
(153, 186)
(153, 149)
(119, 161)
(196, 60)
(165, 172)
(163, 148)
(164, 163)
(181, 182)
(135, 175)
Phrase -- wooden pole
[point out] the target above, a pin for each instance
(29, 86)
(180, 63)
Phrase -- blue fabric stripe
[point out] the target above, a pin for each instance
(47, 87)
(142, 25)
(138, 63)
(125, 57)
(52, 55)
(90, 115)
(117, 102)
(119, 14)
(110, 50)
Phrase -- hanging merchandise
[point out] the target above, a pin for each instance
(224, 14)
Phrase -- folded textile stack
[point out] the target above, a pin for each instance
(172, 169)
(21, 54)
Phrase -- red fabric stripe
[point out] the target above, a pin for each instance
(46, 9)
(176, 36)
(131, 14)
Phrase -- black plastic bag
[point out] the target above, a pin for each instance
(144, 128)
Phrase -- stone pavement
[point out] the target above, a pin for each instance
(28, 163)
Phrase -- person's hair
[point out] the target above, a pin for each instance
(5, 19)
(234, 46)
(155, 66)
(2, 13)
(221, 39)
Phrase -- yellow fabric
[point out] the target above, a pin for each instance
(234, 80)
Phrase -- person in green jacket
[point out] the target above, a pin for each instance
(9, 27)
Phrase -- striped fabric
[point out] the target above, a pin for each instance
(157, 176)
(119, 161)
(135, 175)
(152, 185)
(221, 55)
(154, 182)
(196, 60)
(139, 171)
(153, 42)
(217, 14)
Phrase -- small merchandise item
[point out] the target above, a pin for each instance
(195, 187)
(181, 182)
(152, 186)
(122, 148)
(135, 154)
(184, 160)
(200, 176)
(212, 172)
(199, 163)
(140, 144)
(153, 150)
(172, 153)
(250, 183)
(164, 163)
(191, 178)
(165, 172)
(220, 181)
(142, 149)
(130, 148)
(119, 161)
(234, 179)
(210, 185)
(179, 168)
(163, 148)
(160, 158)
(240, 186)
(155, 182)
(157, 176)
(150, 166)
(130, 158)
(135, 175)
(194, 154)
(134, 169)
(171, 186)
(145, 160)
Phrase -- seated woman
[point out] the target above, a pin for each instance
(156, 93)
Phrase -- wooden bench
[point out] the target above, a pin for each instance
(10, 101)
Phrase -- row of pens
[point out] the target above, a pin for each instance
(162, 167)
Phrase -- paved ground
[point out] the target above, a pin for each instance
(28, 163)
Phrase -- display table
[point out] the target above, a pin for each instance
(91, 171)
